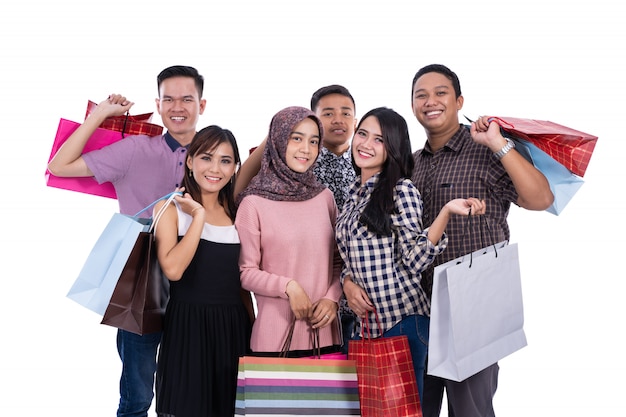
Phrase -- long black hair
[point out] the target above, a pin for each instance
(399, 164)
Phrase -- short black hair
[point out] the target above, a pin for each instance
(181, 71)
(443, 70)
(327, 90)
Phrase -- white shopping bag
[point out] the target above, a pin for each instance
(477, 313)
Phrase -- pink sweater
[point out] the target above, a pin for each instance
(281, 241)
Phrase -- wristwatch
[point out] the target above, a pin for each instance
(505, 149)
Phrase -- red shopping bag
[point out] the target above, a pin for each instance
(569, 147)
(387, 383)
(128, 125)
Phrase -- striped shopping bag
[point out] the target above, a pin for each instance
(296, 387)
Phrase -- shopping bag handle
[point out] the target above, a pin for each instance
(468, 227)
(314, 339)
(168, 195)
(366, 325)
(157, 216)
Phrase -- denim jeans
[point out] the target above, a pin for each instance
(416, 330)
(138, 355)
(348, 324)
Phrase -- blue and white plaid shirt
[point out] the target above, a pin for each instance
(389, 267)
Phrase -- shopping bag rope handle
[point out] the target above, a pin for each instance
(468, 230)
(366, 325)
(496, 119)
(157, 216)
(314, 340)
(174, 193)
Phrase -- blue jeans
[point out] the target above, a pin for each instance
(138, 355)
(348, 324)
(416, 329)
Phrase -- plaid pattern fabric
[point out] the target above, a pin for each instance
(294, 387)
(387, 267)
(569, 147)
(461, 169)
(128, 125)
(387, 383)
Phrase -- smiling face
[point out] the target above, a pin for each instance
(214, 168)
(336, 112)
(303, 146)
(435, 105)
(180, 107)
(368, 148)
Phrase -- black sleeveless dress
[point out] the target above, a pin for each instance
(206, 329)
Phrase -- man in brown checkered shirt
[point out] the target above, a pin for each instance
(458, 161)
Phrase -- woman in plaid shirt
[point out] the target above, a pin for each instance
(381, 238)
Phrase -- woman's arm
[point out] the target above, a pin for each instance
(174, 255)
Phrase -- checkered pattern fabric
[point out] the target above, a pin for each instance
(128, 125)
(387, 384)
(569, 147)
(387, 267)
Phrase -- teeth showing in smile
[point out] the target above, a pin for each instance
(177, 118)
(433, 113)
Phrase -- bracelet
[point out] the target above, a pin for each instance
(197, 208)
(505, 149)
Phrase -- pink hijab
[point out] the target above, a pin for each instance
(276, 181)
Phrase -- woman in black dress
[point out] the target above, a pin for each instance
(208, 318)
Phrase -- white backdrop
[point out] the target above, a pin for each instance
(549, 59)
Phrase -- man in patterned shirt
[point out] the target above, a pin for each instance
(335, 107)
(456, 162)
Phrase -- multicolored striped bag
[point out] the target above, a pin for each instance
(296, 386)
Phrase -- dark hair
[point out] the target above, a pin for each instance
(443, 70)
(207, 140)
(330, 89)
(399, 164)
(181, 71)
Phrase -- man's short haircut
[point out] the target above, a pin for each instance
(443, 70)
(327, 90)
(181, 71)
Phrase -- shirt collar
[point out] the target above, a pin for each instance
(454, 144)
(171, 142)
(370, 183)
(325, 153)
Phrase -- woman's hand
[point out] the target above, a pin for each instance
(466, 206)
(299, 301)
(188, 204)
(357, 298)
(324, 313)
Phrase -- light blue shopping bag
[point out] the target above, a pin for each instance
(98, 277)
(563, 183)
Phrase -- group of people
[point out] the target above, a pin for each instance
(328, 220)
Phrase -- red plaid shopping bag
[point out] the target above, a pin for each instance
(571, 148)
(387, 383)
(128, 125)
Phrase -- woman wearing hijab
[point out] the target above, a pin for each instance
(289, 257)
